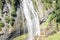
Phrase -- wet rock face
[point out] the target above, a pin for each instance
(9, 17)
(6, 19)
(42, 11)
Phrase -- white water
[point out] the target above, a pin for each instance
(32, 24)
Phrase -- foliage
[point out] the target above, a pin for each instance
(50, 18)
(55, 13)
(47, 3)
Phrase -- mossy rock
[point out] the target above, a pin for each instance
(12, 21)
(13, 14)
(1, 24)
(13, 11)
(7, 19)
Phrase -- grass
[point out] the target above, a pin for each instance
(22, 37)
(54, 37)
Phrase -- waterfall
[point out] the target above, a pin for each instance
(32, 23)
(21, 16)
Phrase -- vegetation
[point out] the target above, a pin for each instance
(1, 4)
(1, 24)
(13, 11)
(7, 19)
(12, 20)
(22, 37)
(13, 14)
(54, 37)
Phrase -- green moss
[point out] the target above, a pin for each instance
(1, 4)
(13, 14)
(48, 5)
(49, 19)
(13, 11)
(1, 24)
(12, 20)
(7, 19)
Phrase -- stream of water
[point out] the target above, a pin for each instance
(32, 23)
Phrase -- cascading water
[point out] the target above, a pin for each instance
(32, 23)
